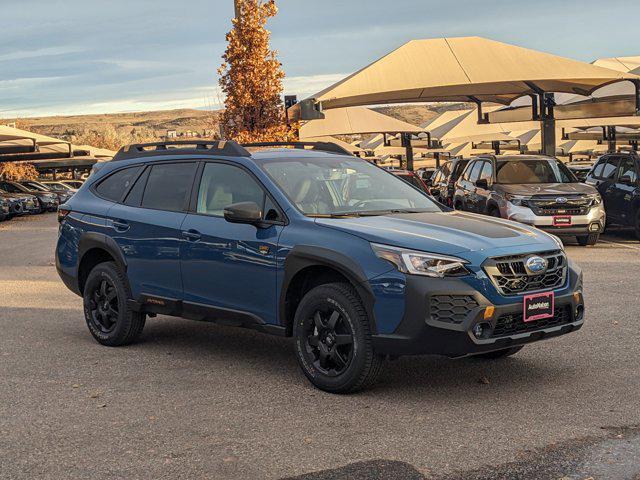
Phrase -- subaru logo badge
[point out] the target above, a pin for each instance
(561, 200)
(536, 265)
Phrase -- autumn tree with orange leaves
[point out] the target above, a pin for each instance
(251, 78)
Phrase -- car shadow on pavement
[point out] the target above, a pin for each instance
(203, 346)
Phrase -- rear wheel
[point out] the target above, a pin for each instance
(507, 352)
(109, 317)
(333, 340)
(591, 239)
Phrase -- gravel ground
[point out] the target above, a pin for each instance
(194, 400)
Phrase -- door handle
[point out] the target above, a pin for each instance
(120, 225)
(191, 235)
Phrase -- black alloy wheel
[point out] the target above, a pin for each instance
(333, 344)
(329, 342)
(103, 306)
(107, 311)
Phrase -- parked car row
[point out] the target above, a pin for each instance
(30, 196)
(543, 192)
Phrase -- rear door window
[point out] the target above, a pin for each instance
(168, 186)
(115, 185)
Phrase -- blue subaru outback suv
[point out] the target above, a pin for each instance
(353, 262)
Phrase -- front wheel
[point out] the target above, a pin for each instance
(591, 239)
(107, 312)
(638, 225)
(333, 340)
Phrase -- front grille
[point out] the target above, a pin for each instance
(452, 308)
(576, 205)
(511, 324)
(510, 276)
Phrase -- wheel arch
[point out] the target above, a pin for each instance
(307, 267)
(93, 249)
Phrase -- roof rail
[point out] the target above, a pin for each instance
(318, 146)
(208, 147)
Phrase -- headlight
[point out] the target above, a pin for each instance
(517, 200)
(421, 263)
(558, 241)
(596, 199)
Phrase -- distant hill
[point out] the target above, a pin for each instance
(154, 125)
(147, 124)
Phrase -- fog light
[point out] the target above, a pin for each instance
(594, 227)
(480, 329)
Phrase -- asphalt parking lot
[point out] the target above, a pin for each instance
(194, 400)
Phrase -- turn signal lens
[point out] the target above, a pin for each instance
(62, 214)
(488, 312)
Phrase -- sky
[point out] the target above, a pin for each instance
(67, 57)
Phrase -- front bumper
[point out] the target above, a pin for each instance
(593, 222)
(422, 332)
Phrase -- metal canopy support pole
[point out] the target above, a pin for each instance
(436, 156)
(406, 142)
(611, 138)
(548, 124)
(496, 147)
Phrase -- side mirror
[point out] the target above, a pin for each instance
(243, 212)
(482, 183)
(626, 179)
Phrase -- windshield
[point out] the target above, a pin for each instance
(532, 171)
(330, 186)
(36, 186)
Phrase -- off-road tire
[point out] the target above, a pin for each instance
(128, 325)
(364, 365)
(590, 240)
(506, 352)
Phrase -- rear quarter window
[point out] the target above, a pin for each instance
(115, 185)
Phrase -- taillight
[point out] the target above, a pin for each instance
(62, 214)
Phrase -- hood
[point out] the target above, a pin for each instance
(547, 189)
(447, 233)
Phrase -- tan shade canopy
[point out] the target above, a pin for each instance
(455, 69)
(347, 146)
(355, 121)
(621, 64)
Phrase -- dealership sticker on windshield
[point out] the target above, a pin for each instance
(563, 221)
(538, 306)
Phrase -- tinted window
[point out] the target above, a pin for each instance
(457, 170)
(134, 197)
(113, 187)
(168, 186)
(606, 168)
(487, 172)
(222, 185)
(628, 169)
(7, 187)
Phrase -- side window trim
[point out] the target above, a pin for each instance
(193, 202)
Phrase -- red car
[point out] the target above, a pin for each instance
(413, 179)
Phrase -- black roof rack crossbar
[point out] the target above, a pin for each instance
(210, 147)
(318, 146)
